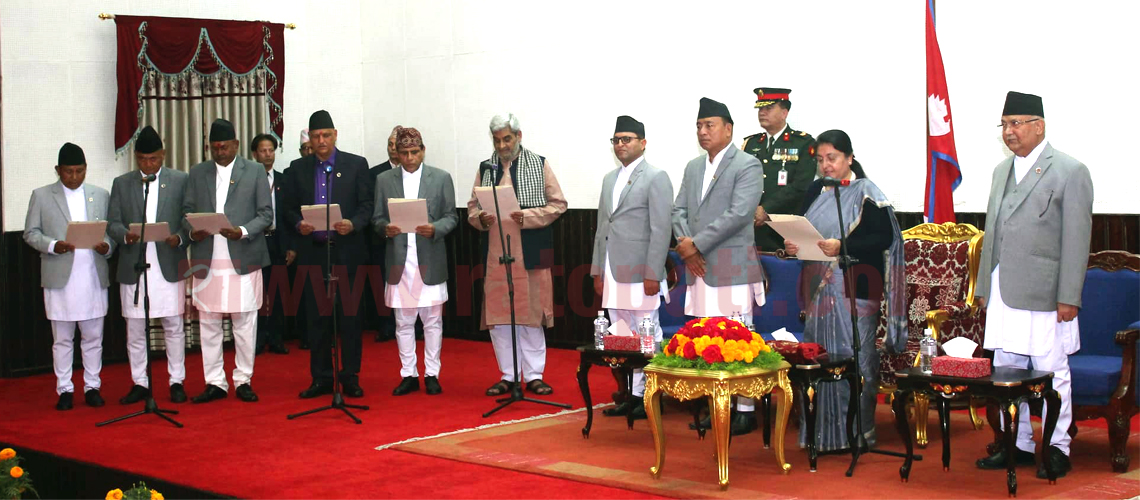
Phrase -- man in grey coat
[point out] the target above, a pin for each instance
(712, 220)
(227, 266)
(416, 265)
(632, 240)
(1033, 265)
(74, 280)
(131, 206)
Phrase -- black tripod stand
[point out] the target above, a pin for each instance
(141, 266)
(859, 446)
(330, 282)
(506, 260)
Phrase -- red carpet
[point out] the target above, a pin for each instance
(251, 450)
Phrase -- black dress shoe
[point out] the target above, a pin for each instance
(64, 402)
(620, 410)
(407, 385)
(431, 385)
(245, 393)
(316, 389)
(638, 411)
(1059, 461)
(138, 393)
(303, 345)
(211, 393)
(177, 393)
(743, 422)
(352, 389)
(278, 349)
(1021, 458)
(93, 398)
(706, 423)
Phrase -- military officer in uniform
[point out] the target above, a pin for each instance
(789, 165)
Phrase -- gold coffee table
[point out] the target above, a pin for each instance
(686, 383)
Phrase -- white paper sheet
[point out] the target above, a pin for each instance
(155, 231)
(315, 215)
(798, 230)
(508, 204)
(86, 235)
(407, 213)
(210, 222)
(784, 334)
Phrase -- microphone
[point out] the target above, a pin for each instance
(148, 178)
(832, 182)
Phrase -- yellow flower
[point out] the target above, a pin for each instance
(154, 495)
(748, 356)
(7, 453)
(756, 336)
(115, 494)
(16, 472)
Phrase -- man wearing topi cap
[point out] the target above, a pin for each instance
(74, 280)
(165, 285)
(1033, 265)
(341, 178)
(227, 266)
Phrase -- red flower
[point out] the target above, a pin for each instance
(672, 344)
(690, 351)
(712, 354)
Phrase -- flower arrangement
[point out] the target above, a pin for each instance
(137, 492)
(14, 480)
(717, 344)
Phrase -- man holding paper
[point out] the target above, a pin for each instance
(227, 265)
(712, 220)
(416, 264)
(632, 241)
(125, 216)
(341, 178)
(73, 277)
(539, 203)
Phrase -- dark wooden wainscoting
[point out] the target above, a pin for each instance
(25, 335)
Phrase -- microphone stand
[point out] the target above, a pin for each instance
(506, 259)
(330, 281)
(859, 447)
(141, 267)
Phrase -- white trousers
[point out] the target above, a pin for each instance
(633, 318)
(406, 338)
(1055, 361)
(532, 351)
(245, 334)
(62, 351)
(175, 337)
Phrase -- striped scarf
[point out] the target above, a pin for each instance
(529, 178)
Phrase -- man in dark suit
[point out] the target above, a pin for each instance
(341, 178)
(271, 323)
(380, 317)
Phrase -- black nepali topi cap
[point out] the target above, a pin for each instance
(320, 120)
(711, 108)
(1017, 103)
(148, 141)
(222, 130)
(766, 96)
(70, 154)
(628, 124)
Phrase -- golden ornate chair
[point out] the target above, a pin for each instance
(941, 270)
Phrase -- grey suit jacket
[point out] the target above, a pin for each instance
(127, 208)
(720, 222)
(1039, 233)
(637, 233)
(247, 205)
(47, 221)
(437, 188)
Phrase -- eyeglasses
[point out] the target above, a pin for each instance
(623, 140)
(1015, 123)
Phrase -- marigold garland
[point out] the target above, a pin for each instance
(717, 344)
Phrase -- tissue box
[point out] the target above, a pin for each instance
(949, 366)
(621, 343)
(798, 353)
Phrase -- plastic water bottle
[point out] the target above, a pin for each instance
(927, 351)
(601, 329)
(647, 335)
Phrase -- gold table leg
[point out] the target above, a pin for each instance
(652, 400)
(784, 408)
(720, 410)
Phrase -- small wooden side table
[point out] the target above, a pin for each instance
(687, 384)
(625, 361)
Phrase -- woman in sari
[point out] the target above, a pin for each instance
(875, 244)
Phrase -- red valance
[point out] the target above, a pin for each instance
(151, 47)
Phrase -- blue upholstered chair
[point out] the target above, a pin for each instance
(1104, 370)
(782, 307)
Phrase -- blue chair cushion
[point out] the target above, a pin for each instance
(1109, 302)
(1094, 378)
(782, 306)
